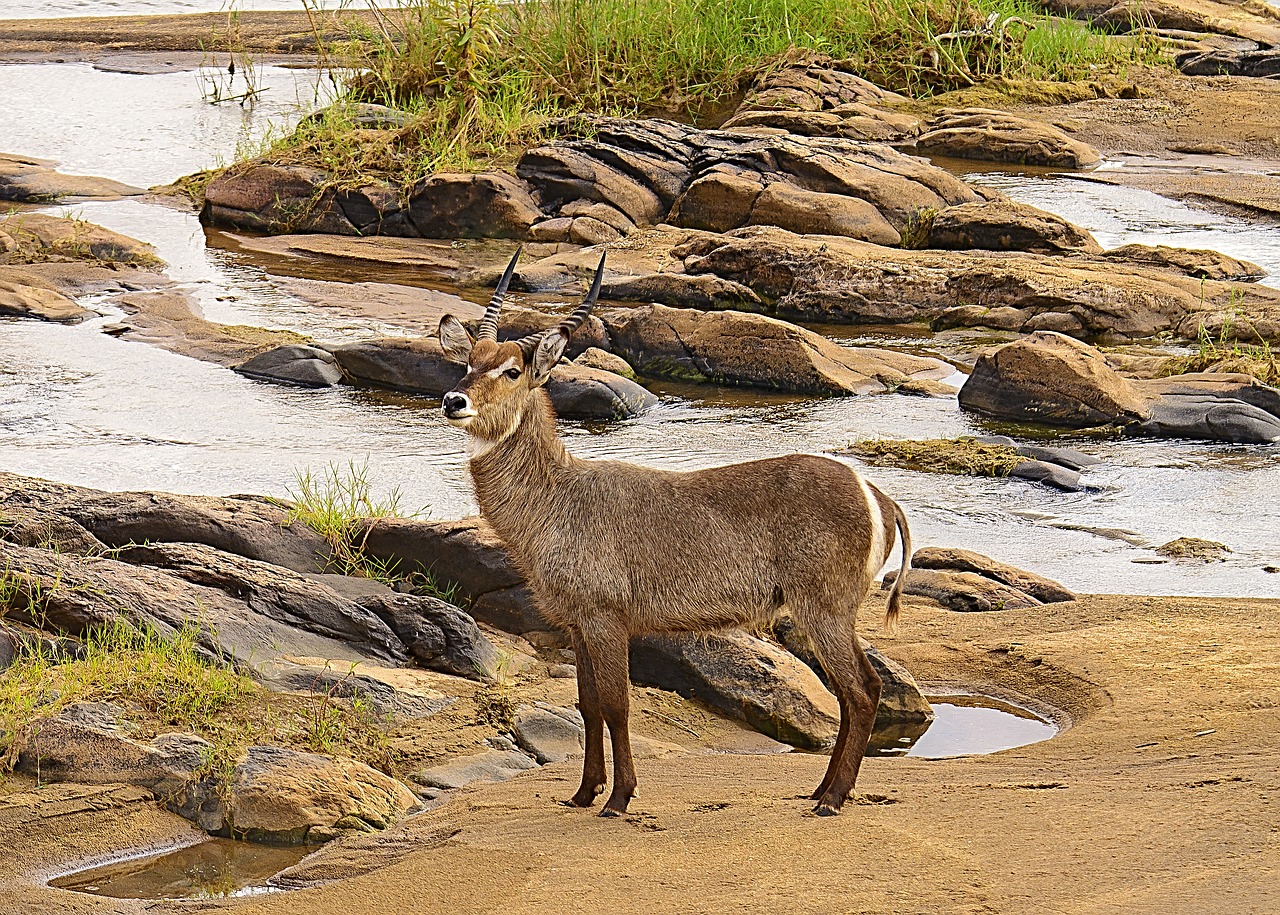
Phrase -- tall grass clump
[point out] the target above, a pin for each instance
(482, 77)
(333, 503)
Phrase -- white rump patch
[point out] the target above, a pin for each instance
(875, 554)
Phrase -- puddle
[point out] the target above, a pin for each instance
(213, 869)
(964, 725)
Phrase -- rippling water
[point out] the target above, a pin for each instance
(81, 406)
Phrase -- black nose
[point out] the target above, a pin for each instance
(454, 403)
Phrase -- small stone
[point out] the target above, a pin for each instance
(557, 671)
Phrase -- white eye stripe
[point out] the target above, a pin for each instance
(509, 364)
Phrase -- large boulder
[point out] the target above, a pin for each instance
(729, 347)
(40, 237)
(744, 677)
(1051, 378)
(276, 199)
(997, 136)
(89, 743)
(419, 365)
(1198, 263)
(963, 591)
(1008, 226)
(487, 205)
(841, 280)
(285, 797)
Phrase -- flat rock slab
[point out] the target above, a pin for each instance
(41, 237)
(735, 348)
(489, 766)
(1007, 226)
(967, 592)
(26, 180)
(19, 298)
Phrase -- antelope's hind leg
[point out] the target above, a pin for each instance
(857, 687)
(594, 777)
(607, 644)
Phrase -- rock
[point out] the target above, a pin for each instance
(1050, 378)
(745, 678)
(278, 795)
(1195, 549)
(87, 743)
(486, 205)
(276, 199)
(438, 635)
(901, 700)
(1007, 226)
(24, 180)
(736, 348)
(489, 766)
(575, 170)
(37, 527)
(419, 365)
(303, 365)
(548, 733)
(1049, 474)
(465, 553)
(248, 526)
(26, 301)
(1045, 590)
(277, 592)
(1220, 407)
(10, 645)
(594, 358)
(562, 671)
(328, 682)
(77, 594)
(806, 212)
(818, 97)
(361, 114)
(962, 591)
(996, 136)
(43, 237)
(1257, 64)
(1205, 265)
(840, 280)
(1065, 457)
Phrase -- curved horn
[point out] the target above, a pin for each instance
(488, 329)
(570, 324)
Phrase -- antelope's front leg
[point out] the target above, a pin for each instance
(593, 771)
(607, 644)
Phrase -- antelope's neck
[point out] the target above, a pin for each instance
(515, 478)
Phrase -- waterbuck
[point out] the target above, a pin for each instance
(611, 550)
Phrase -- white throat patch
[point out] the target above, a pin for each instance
(478, 446)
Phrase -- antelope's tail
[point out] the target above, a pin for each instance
(895, 595)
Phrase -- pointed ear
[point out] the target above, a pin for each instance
(547, 356)
(454, 340)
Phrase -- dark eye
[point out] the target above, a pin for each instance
(513, 374)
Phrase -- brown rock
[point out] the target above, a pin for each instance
(1205, 265)
(25, 180)
(487, 205)
(729, 347)
(966, 592)
(25, 301)
(1008, 226)
(804, 212)
(41, 237)
(1050, 378)
(996, 136)
(276, 199)
(1042, 589)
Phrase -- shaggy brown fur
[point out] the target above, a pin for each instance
(612, 550)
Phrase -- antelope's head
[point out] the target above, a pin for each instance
(502, 378)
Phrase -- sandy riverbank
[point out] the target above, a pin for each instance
(1128, 810)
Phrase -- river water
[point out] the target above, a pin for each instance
(48, 9)
(81, 406)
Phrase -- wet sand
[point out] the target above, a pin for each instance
(1163, 792)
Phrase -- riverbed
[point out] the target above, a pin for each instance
(79, 405)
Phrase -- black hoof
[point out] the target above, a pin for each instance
(610, 812)
(826, 810)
